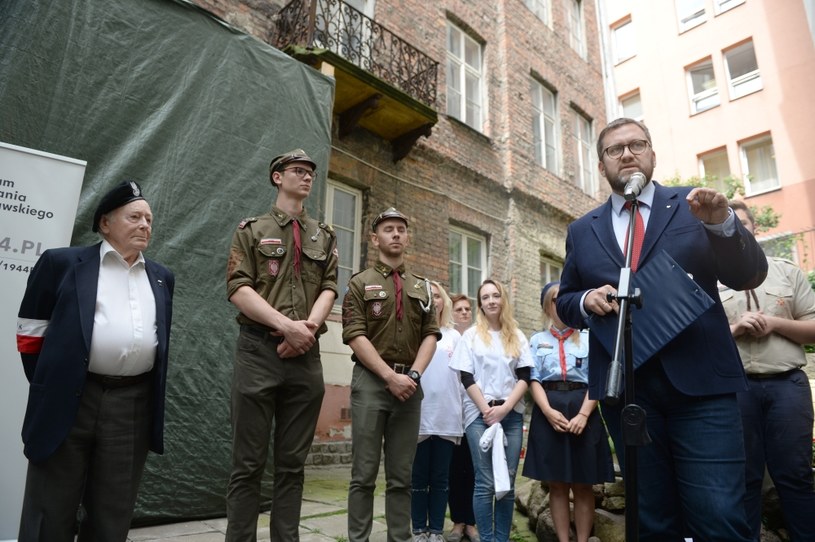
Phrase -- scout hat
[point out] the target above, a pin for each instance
(120, 195)
(390, 212)
(297, 155)
(546, 289)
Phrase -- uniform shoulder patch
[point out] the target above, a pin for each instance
(247, 221)
(326, 227)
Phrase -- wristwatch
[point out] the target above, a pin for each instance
(415, 376)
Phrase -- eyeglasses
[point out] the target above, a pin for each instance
(301, 172)
(637, 146)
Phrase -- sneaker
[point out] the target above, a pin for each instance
(435, 537)
(420, 537)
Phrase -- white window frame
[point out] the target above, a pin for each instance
(463, 262)
(332, 187)
(577, 27)
(687, 19)
(720, 6)
(707, 98)
(550, 270)
(547, 149)
(625, 110)
(718, 184)
(585, 174)
(623, 41)
(744, 148)
(746, 83)
(465, 102)
(542, 10)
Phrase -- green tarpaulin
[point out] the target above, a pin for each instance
(161, 92)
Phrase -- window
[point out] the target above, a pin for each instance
(720, 6)
(541, 8)
(715, 168)
(464, 77)
(631, 106)
(758, 165)
(743, 76)
(468, 262)
(690, 13)
(544, 127)
(550, 270)
(584, 177)
(702, 87)
(622, 40)
(344, 213)
(577, 29)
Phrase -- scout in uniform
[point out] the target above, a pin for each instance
(282, 276)
(389, 324)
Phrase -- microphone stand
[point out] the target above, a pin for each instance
(632, 420)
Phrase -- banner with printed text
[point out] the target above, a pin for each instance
(39, 193)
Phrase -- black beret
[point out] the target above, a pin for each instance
(297, 155)
(546, 289)
(122, 194)
(390, 212)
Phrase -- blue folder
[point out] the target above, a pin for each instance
(671, 301)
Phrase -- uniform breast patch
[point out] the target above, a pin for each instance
(370, 287)
(271, 241)
(274, 267)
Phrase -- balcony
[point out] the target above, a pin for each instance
(383, 83)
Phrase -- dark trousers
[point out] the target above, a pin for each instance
(431, 474)
(777, 418)
(691, 477)
(99, 465)
(268, 392)
(462, 481)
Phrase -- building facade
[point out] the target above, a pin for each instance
(725, 88)
(476, 119)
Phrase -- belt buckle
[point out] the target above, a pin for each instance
(400, 368)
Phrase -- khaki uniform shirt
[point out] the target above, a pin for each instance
(369, 309)
(785, 293)
(262, 257)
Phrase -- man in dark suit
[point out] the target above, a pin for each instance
(93, 333)
(691, 477)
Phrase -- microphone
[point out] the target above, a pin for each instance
(634, 186)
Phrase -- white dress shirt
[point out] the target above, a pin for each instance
(124, 338)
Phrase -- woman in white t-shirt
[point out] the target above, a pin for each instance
(494, 360)
(440, 429)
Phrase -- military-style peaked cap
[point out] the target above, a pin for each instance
(390, 212)
(297, 155)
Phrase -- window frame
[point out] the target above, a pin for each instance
(331, 187)
(540, 120)
(542, 10)
(628, 97)
(631, 50)
(728, 5)
(576, 23)
(744, 147)
(696, 98)
(583, 162)
(459, 66)
(690, 20)
(704, 173)
(744, 84)
(547, 263)
(464, 286)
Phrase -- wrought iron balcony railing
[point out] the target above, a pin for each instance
(336, 26)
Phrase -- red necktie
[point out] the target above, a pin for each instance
(561, 350)
(298, 246)
(397, 286)
(639, 235)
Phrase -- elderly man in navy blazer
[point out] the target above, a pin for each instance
(93, 333)
(691, 477)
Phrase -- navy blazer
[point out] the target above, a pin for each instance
(61, 290)
(703, 359)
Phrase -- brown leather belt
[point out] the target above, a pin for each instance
(110, 382)
(563, 386)
(400, 368)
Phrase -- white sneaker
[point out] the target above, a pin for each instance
(435, 537)
(420, 537)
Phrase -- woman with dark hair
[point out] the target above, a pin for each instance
(494, 361)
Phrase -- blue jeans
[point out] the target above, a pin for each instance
(777, 417)
(691, 477)
(494, 517)
(431, 472)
